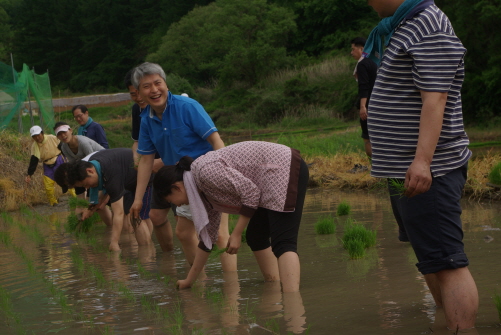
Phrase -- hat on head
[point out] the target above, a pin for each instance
(64, 128)
(35, 130)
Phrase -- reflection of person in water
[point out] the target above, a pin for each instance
(265, 183)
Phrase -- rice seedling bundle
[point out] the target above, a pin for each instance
(357, 238)
(343, 209)
(325, 225)
(495, 174)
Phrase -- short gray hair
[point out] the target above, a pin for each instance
(146, 69)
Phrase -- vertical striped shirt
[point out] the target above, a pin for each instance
(424, 54)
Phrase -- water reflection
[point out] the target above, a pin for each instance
(134, 290)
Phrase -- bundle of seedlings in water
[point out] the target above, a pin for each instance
(357, 238)
(397, 185)
(76, 225)
(495, 175)
(77, 203)
(325, 225)
(343, 208)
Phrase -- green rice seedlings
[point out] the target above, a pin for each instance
(7, 310)
(357, 238)
(397, 187)
(199, 331)
(7, 218)
(126, 292)
(325, 225)
(356, 248)
(147, 304)
(98, 275)
(354, 231)
(26, 211)
(74, 224)
(107, 330)
(77, 202)
(249, 311)
(5, 238)
(77, 260)
(216, 251)
(178, 319)
(497, 301)
(214, 296)
(495, 174)
(32, 233)
(142, 271)
(343, 208)
(272, 325)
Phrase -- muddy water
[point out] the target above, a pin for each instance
(53, 282)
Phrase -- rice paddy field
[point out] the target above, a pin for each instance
(53, 281)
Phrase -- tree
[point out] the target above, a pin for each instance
(228, 40)
(481, 93)
(324, 25)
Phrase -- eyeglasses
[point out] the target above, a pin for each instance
(78, 116)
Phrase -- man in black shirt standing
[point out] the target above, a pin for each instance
(365, 73)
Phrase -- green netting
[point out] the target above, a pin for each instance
(28, 96)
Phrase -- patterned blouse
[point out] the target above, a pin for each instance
(242, 177)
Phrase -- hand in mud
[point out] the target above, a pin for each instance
(183, 284)
(27, 179)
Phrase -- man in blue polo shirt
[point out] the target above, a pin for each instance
(173, 126)
(418, 141)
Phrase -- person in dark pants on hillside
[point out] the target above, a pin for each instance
(365, 74)
(419, 142)
(88, 127)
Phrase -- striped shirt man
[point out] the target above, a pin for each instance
(424, 54)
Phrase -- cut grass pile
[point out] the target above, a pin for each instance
(325, 225)
(357, 238)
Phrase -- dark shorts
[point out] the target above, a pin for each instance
(365, 130)
(278, 229)
(145, 209)
(432, 222)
